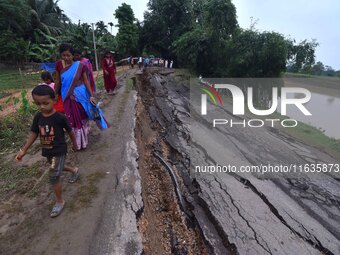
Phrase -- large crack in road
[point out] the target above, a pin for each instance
(186, 212)
(163, 223)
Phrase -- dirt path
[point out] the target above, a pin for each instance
(104, 169)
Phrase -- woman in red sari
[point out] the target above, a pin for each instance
(109, 69)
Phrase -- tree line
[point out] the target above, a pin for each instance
(202, 35)
(31, 30)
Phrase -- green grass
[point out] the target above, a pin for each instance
(18, 179)
(314, 137)
(311, 136)
(129, 85)
(14, 130)
(87, 192)
(12, 79)
(100, 83)
(100, 80)
(301, 75)
(13, 134)
(15, 127)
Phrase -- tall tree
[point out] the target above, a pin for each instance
(318, 68)
(220, 18)
(46, 18)
(254, 54)
(127, 36)
(30, 26)
(13, 16)
(101, 28)
(111, 25)
(301, 55)
(12, 48)
(166, 21)
(214, 24)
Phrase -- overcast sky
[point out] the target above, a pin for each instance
(299, 19)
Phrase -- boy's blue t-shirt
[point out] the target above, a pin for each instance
(52, 134)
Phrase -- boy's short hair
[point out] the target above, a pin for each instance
(46, 75)
(43, 90)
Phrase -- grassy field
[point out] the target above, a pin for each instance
(315, 137)
(292, 75)
(12, 79)
(314, 81)
(311, 136)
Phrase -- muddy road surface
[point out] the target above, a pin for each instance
(144, 188)
(238, 213)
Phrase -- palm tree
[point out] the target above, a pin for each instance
(79, 34)
(13, 16)
(111, 25)
(46, 18)
(101, 28)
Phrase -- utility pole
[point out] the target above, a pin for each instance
(94, 46)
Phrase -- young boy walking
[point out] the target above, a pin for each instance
(51, 125)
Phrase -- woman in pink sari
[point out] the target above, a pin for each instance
(78, 98)
(78, 57)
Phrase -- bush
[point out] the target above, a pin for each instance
(14, 128)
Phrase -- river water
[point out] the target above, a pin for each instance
(325, 110)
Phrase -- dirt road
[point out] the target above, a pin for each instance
(139, 193)
(103, 203)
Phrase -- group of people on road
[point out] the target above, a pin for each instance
(143, 61)
(151, 61)
(67, 104)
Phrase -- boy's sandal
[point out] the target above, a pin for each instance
(74, 176)
(57, 208)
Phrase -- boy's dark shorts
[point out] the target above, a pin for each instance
(56, 167)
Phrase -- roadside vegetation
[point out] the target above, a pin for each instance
(310, 135)
(15, 79)
(306, 75)
(14, 126)
(315, 137)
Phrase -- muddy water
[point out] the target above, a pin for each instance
(324, 110)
